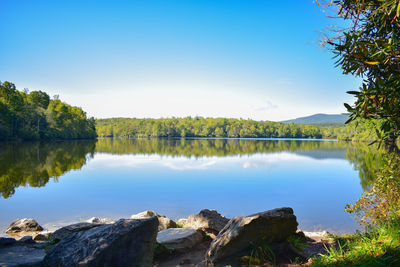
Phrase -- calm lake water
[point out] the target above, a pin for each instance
(69, 181)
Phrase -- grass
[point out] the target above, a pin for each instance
(260, 253)
(179, 225)
(297, 241)
(378, 246)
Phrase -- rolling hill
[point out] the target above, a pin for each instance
(320, 119)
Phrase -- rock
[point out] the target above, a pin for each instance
(42, 236)
(234, 239)
(100, 220)
(124, 243)
(24, 225)
(209, 221)
(6, 242)
(73, 228)
(27, 240)
(179, 239)
(21, 255)
(164, 222)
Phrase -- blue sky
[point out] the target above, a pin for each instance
(255, 59)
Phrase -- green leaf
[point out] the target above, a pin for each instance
(349, 120)
(398, 10)
(353, 92)
(348, 107)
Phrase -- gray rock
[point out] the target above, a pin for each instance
(21, 255)
(235, 238)
(209, 221)
(179, 239)
(164, 222)
(100, 220)
(73, 228)
(124, 243)
(6, 242)
(42, 236)
(23, 225)
(27, 240)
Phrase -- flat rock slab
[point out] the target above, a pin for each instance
(179, 239)
(21, 256)
(193, 257)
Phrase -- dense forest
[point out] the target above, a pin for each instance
(33, 115)
(232, 128)
(203, 127)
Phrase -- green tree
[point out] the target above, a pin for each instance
(369, 47)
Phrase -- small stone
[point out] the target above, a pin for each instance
(42, 236)
(209, 221)
(164, 222)
(100, 220)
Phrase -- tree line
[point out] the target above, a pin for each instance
(231, 128)
(33, 115)
(203, 127)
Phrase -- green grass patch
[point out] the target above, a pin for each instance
(378, 246)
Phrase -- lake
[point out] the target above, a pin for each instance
(69, 181)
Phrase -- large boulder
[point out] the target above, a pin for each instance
(179, 239)
(124, 243)
(24, 225)
(17, 253)
(164, 222)
(73, 228)
(209, 221)
(237, 236)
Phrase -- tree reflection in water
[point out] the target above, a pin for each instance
(34, 163)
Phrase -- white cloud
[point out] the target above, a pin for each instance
(266, 106)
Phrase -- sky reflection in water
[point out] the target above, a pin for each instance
(316, 182)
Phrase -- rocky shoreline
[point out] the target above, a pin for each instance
(149, 239)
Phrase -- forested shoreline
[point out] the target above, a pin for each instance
(34, 116)
(230, 128)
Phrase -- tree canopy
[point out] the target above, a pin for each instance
(369, 47)
(33, 115)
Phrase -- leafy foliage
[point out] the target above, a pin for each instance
(380, 246)
(33, 115)
(381, 203)
(370, 48)
(202, 127)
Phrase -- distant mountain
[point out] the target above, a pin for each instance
(320, 118)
